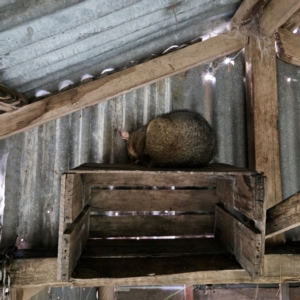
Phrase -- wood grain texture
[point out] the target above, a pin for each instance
(103, 248)
(244, 193)
(283, 216)
(291, 46)
(149, 179)
(132, 226)
(119, 83)
(212, 169)
(244, 242)
(62, 224)
(293, 22)
(262, 117)
(73, 241)
(246, 11)
(276, 13)
(149, 200)
(42, 272)
(74, 197)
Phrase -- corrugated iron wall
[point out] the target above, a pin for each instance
(39, 156)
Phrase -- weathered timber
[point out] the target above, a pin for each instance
(149, 200)
(293, 22)
(132, 226)
(243, 241)
(74, 197)
(283, 216)
(275, 14)
(210, 169)
(278, 268)
(262, 116)
(246, 11)
(72, 243)
(7, 94)
(97, 91)
(291, 46)
(106, 293)
(284, 291)
(151, 266)
(113, 248)
(244, 193)
(158, 179)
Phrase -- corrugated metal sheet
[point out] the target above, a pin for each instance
(92, 35)
(39, 156)
(289, 128)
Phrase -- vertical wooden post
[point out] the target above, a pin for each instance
(188, 292)
(106, 292)
(262, 117)
(284, 291)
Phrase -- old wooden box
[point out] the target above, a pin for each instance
(120, 221)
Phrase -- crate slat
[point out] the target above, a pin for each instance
(72, 243)
(149, 200)
(139, 267)
(134, 226)
(243, 241)
(101, 248)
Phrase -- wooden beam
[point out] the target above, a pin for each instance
(262, 117)
(106, 293)
(283, 216)
(278, 268)
(246, 11)
(119, 83)
(284, 291)
(293, 22)
(275, 14)
(291, 46)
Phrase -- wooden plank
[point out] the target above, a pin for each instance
(243, 241)
(291, 46)
(293, 22)
(284, 291)
(149, 179)
(275, 14)
(278, 268)
(106, 293)
(97, 91)
(86, 181)
(283, 216)
(113, 248)
(262, 117)
(73, 241)
(244, 193)
(211, 169)
(7, 93)
(149, 200)
(74, 197)
(133, 226)
(246, 11)
(62, 224)
(151, 266)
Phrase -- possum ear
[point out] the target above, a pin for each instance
(124, 134)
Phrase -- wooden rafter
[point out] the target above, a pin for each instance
(293, 22)
(283, 216)
(246, 11)
(119, 83)
(42, 272)
(276, 13)
(291, 47)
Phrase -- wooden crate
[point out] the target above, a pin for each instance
(120, 221)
